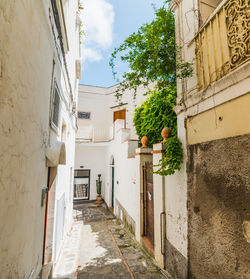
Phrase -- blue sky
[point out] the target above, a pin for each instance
(107, 23)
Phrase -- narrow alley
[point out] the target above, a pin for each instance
(99, 247)
(124, 139)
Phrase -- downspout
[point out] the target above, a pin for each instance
(163, 223)
(46, 217)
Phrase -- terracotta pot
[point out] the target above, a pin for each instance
(144, 142)
(98, 201)
(165, 133)
(99, 198)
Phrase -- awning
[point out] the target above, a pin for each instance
(56, 154)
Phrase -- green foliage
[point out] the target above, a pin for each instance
(80, 6)
(81, 31)
(150, 53)
(155, 114)
(151, 117)
(173, 157)
(153, 57)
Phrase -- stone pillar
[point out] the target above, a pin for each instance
(142, 155)
(159, 206)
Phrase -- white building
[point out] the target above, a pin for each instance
(39, 72)
(105, 144)
(151, 206)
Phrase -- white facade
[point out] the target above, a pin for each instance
(102, 144)
(32, 61)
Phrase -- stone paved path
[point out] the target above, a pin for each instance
(105, 251)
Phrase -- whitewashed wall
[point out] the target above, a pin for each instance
(27, 51)
(93, 158)
(100, 118)
(176, 200)
(101, 103)
(125, 187)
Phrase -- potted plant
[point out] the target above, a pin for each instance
(99, 189)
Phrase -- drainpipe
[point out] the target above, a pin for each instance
(163, 223)
(46, 218)
(165, 133)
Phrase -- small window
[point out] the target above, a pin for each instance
(83, 115)
(55, 108)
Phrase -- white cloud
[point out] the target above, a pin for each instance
(98, 19)
(91, 55)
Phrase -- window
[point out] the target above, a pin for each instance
(59, 18)
(55, 108)
(83, 115)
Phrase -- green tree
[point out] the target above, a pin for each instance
(152, 56)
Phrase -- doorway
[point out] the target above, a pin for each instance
(81, 185)
(148, 205)
(120, 114)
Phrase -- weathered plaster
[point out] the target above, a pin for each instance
(227, 120)
(27, 51)
(219, 206)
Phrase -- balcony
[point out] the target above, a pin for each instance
(97, 134)
(223, 42)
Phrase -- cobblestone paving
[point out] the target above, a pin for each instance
(129, 261)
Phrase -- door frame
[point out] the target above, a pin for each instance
(84, 176)
(117, 111)
(146, 239)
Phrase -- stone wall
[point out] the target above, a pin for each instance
(219, 206)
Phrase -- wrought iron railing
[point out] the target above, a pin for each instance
(223, 43)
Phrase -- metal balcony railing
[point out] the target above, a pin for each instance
(223, 43)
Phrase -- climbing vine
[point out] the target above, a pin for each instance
(81, 31)
(155, 114)
(151, 117)
(153, 58)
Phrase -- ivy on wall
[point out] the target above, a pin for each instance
(155, 114)
(151, 117)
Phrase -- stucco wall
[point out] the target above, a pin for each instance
(95, 159)
(176, 258)
(24, 114)
(219, 203)
(27, 50)
(102, 103)
(126, 188)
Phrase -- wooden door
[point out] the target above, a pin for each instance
(148, 194)
(120, 114)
